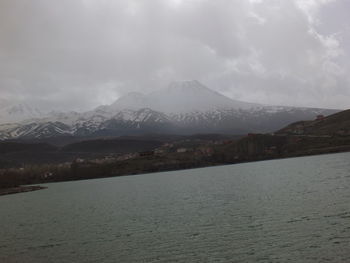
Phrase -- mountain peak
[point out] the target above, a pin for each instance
(179, 97)
(132, 100)
(186, 84)
(190, 86)
(134, 95)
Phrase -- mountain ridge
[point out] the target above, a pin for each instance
(185, 107)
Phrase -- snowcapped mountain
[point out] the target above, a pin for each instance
(18, 112)
(182, 108)
(179, 98)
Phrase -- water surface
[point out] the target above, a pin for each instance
(291, 210)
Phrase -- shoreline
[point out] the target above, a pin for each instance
(20, 189)
(195, 167)
(309, 153)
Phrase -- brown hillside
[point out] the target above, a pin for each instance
(335, 124)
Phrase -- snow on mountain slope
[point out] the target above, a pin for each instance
(182, 108)
(19, 112)
(35, 130)
(131, 101)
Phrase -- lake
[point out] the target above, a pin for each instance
(290, 210)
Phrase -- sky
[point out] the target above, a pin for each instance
(78, 54)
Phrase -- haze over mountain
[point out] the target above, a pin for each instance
(184, 107)
(180, 97)
(10, 113)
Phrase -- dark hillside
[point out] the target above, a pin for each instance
(10, 147)
(112, 146)
(335, 124)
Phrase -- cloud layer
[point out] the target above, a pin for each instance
(79, 54)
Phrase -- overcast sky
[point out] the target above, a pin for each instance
(77, 54)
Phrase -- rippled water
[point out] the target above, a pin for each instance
(291, 210)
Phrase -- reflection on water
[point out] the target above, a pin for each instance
(291, 210)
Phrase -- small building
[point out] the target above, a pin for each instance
(320, 117)
(168, 145)
(79, 160)
(253, 134)
(271, 150)
(47, 175)
(181, 150)
(343, 132)
(109, 159)
(128, 156)
(159, 151)
(206, 151)
(146, 153)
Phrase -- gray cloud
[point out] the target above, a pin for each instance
(78, 54)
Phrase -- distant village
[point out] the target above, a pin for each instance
(197, 148)
(172, 153)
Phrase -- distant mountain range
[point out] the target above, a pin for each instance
(185, 107)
